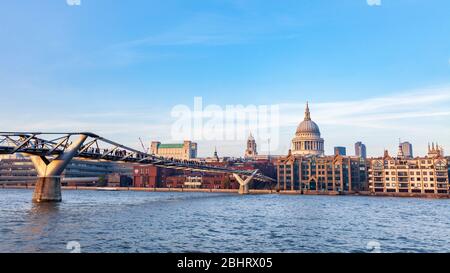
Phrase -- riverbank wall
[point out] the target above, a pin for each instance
(234, 191)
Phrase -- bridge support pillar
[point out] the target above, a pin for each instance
(48, 189)
(243, 184)
(48, 186)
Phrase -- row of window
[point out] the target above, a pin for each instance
(411, 179)
(392, 162)
(417, 185)
(404, 173)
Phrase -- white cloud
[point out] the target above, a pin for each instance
(374, 2)
(374, 111)
(73, 2)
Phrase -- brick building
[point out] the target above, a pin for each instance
(316, 173)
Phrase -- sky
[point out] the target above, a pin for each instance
(372, 70)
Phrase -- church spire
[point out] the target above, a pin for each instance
(216, 156)
(307, 113)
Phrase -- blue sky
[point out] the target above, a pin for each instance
(118, 67)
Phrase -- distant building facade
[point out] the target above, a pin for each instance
(307, 140)
(340, 151)
(251, 151)
(435, 150)
(328, 173)
(183, 151)
(429, 174)
(360, 150)
(19, 169)
(407, 150)
(147, 176)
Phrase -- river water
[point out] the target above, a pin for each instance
(99, 221)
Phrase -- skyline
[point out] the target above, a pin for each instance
(371, 73)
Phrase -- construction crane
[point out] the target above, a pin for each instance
(145, 150)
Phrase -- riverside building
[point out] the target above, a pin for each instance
(401, 174)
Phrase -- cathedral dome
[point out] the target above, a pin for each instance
(307, 140)
(307, 126)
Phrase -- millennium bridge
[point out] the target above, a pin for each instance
(52, 152)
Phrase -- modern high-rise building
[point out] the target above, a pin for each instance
(360, 150)
(184, 151)
(340, 150)
(251, 151)
(307, 140)
(407, 149)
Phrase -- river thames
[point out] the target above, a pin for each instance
(99, 221)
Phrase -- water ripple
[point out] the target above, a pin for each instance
(213, 222)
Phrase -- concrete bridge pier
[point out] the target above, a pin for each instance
(243, 184)
(48, 186)
(47, 189)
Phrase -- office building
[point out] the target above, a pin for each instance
(360, 150)
(183, 151)
(340, 151)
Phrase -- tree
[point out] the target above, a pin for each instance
(102, 181)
